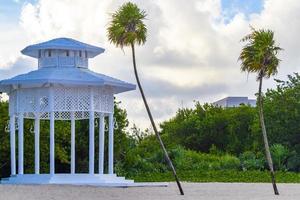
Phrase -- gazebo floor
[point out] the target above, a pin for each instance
(111, 180)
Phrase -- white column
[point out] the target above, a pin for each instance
(101, 143)
(12, 144)
(52, 142)
(37, 143)
(111, 144)
(21, 144)
(72, 143)
(91, 134)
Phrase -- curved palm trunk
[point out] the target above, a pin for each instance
(265, 137)
(153, 124)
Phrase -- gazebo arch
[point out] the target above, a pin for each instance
(63, 88)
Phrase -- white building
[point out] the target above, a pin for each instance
(235, 102)
(63, 88)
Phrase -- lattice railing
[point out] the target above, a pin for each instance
(65, 100)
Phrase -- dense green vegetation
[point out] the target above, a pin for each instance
(212, 138)
(206, 143)
(219, 176)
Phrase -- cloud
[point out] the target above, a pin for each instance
(19, 66)
(12, 41)
(190, 54)
(157, 88)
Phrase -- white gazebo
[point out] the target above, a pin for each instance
(63, 88)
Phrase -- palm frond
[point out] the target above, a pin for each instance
(127, 26)
(259, 55)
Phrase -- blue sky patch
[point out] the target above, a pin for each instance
(231, 7)
(10, 10)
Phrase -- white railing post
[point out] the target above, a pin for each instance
(91, 133)
(52, 127)
(72, 143)
(12, 144)
(21, 144)
(101, 143)
(111, 144)
(37, 143)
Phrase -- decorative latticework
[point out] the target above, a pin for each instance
(65, 100)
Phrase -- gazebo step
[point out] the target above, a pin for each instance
(77, 179)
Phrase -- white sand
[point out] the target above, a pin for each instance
(198, 191)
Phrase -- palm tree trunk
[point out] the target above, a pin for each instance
(265, 137)
(153, 124)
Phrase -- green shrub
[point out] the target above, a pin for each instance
(214, 150)
(192, 160)
(250, 161)
(280, 155)
(293, 162)
(229, 162)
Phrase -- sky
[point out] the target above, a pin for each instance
(191, 53)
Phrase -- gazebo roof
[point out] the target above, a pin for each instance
(64, 77)
(60, 74)
(64, 44)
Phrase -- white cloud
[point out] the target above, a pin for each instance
(212, 7)
(80, 19)
(12, 41)
(18, 66)
(190, 53)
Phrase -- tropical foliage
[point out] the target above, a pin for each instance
(127, 27)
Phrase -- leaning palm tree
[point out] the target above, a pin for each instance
(128, 29)
(259, 56)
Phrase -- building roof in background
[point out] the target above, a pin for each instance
(234, 102)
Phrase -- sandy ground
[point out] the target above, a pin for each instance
(199, 191)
